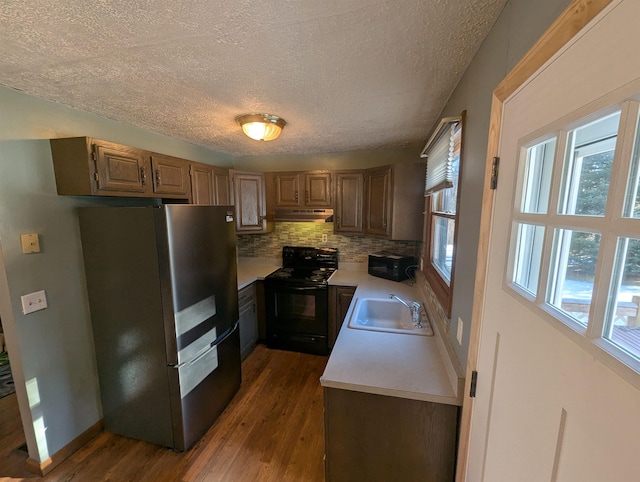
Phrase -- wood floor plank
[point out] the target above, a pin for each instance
(271, 431)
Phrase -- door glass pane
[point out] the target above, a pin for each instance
(537, 177)
(573, 268)
(528, 254)
(442, 248)
(587, 167)
(623, 327)
(632, 199)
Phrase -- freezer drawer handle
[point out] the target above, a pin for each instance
(202, 355)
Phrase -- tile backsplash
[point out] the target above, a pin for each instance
(351, 249)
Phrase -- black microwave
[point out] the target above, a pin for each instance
(396, 267)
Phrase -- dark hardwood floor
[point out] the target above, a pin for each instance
(271, 431)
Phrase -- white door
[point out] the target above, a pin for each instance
(551, 403)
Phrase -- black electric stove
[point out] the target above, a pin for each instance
(296, 299)
(308, 266)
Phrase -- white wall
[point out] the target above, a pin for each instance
(52, 350)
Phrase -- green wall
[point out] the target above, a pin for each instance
(519, 26)
(336, 160)
(52, 350)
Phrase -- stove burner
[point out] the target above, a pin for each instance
(306, 266)
(282, 273)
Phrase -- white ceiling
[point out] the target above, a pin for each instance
(345, 74)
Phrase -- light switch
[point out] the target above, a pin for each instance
(34, 302)
(30, 243)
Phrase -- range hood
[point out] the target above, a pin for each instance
(304, 215)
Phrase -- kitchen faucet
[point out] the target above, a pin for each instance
(415, 308)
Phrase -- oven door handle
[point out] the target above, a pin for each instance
(304, 288)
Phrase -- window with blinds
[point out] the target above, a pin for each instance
(442, 152)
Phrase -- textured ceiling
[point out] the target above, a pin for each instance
(345, 74)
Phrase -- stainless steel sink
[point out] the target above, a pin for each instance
(386, 315)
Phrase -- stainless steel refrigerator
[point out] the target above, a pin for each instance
(163, 297)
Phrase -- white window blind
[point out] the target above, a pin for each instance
(440, 152)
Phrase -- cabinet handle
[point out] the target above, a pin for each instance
(296, 196)
(307, 196)
(338, 220)
(157, 177)
(143, 176)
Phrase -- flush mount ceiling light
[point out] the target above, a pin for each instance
(261, 127)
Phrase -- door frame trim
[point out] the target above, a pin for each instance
(575, 17)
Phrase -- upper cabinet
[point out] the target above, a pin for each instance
(349, 211)
(377, 217)
(209, 185)
(250, 202)
(287, 189)
(92, 167)
(317, 189)
(394, 201)
(84, 166)
(170, 175)
(202, 187)
(302, 189)
(222, 186)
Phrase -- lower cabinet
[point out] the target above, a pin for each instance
(339, 300)
(247, 307)
(380, 438)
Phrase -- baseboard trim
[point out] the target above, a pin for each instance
(43, 468)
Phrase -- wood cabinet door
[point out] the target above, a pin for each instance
(120, 169)
(349, 202)
(287, 189)
(222, 188)
(202, 187)
(378, 201)
(170, 175)
(344, 295)
(379, 437)
(340, 298)
(317, 190)
(250, 202)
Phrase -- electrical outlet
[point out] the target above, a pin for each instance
(324, 238)
(459, 331)
(34, 302)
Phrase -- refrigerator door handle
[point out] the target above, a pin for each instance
(193, 372)
(226, 334)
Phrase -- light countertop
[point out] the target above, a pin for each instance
(392, 364)
(252, 269)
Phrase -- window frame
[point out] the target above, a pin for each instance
(442, 290)
(614, 225)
